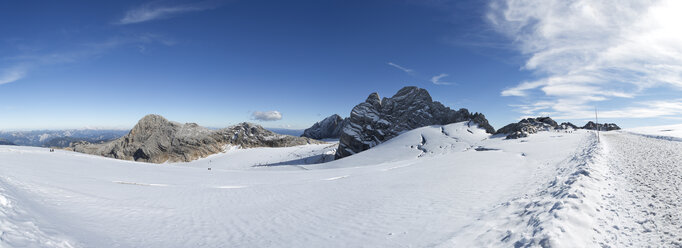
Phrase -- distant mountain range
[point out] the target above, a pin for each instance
(286, 131)
(374, 121)
(59, 138)
(6, 143)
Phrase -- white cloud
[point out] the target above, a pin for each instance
(583, 51)
(646, 109)
(152, 11)
(12, 74)
(401, 67)
(436, 79)
(266, 115)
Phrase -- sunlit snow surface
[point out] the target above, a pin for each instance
(671, 132)
(450, 185)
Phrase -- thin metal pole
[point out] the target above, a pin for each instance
(597, 119)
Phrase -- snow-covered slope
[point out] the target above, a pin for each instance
(450, 185)
(670, 132)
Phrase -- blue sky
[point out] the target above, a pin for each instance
(105, 64)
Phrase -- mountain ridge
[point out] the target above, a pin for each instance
(377, 120)
(157, 140)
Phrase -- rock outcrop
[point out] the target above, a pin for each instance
(602, 127)
(157, 140)
(567, 125)
(377, 120)
(329, 128)
(527, 126)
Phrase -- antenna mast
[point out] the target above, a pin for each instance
(597, 120)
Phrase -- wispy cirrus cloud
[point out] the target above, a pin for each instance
(437, 79)
(17, 67)
(584, 52)
(266, 115)
(409, 71)
(155, 10)
(12, 74)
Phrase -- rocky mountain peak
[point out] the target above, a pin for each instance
(374, 99)
(152, 126)
(375, 121)
(601, 126)
(567, 125)
(157, 140)
(412, 93)
(527, 126)
(328, 128)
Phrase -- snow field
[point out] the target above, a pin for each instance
(18, 228)
(643, 194)
(443, 186)
(668, 132)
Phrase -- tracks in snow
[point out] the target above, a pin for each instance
(644, 207)
(624, 192)
(560, 213)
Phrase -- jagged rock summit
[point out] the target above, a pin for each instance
(602, 127)
(377, 120)
(527, 126)
(329, 128)
(567, 125)
(157, 140)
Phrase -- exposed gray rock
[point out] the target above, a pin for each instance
(527, 126)
(567, 125)
(329, 128)
(602, 126)
(378, 120)
(157, 140)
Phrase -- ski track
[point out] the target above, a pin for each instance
(644, 198)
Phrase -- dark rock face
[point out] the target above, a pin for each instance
(567, 125)
(329, 128)
(527, 126)
(6, 143)
(157, 140)
(602, 127)
(377, 120)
